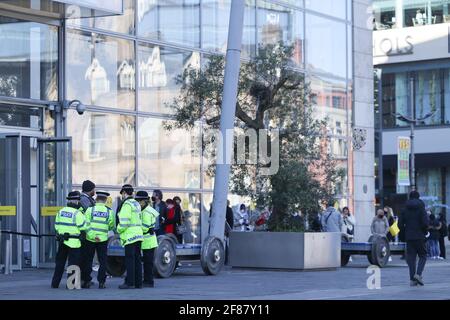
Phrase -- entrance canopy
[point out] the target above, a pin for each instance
(64, 9)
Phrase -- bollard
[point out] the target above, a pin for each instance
(8, 257)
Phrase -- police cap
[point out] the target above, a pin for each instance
(102, 194)
(142, 195)
(73, 195)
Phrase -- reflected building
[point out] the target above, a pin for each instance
(123, 67)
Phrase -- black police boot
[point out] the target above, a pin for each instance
(125, 286)
(101, 285)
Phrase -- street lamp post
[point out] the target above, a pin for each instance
(412, 120)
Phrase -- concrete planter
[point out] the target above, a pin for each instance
(285, 250)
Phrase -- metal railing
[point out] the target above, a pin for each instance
(9, 252)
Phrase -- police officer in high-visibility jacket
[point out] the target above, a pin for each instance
(100, 220)
(130, 229)
(69, 224)
(148, 217)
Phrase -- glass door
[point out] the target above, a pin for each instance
(10, 195)
(55, 181)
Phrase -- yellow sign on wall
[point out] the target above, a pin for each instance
(49, 211)
(7, 210)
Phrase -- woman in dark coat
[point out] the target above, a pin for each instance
(178, 212)
(443, 233)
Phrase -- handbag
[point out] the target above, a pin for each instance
(181, 229)
(394, 229)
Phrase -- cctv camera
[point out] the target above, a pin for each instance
(81, 108)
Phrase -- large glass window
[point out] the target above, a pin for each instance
(428, 95)
(100, 70)
(168, 159)
(277, 23)
(120, 23)
(326, 51)
(335, 8)
(28, 60)
(215, 19)
(103, 147)
(430, 182)
(175, 21)
(20, 116)
(158, 70)
(446, 91)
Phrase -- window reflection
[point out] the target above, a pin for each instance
(100, 70)
(172, 21)
(335, 8)
(28, 60)
(215, 19)
(103, 147)
(168, 159)
(120, 23)
(158, 69)
(325, 51)
(277, 23)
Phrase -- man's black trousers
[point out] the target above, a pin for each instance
(102, 253)
(133, 264)
(442, 247)
(63, 253)
(416, 248)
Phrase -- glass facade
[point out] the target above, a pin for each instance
(123, 69)
(431, 96)
(103, 67)
(409, 13)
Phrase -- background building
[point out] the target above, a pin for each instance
(123, 68)
(411, 41)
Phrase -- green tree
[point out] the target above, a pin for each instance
(271, 95)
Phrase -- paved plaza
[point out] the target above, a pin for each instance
(189, 282)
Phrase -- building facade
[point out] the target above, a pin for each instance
(122, 66)
(412, 56)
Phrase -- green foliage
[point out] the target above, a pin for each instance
(271, 95)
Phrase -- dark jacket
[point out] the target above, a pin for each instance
(434, 229)
(86, 201)
(162, 209)
(230, 217)
(444, 229)
(414, 220)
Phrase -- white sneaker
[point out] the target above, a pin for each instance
(390, 259)
(440, 258)
(350, 259)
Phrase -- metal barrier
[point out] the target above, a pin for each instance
(9, 242)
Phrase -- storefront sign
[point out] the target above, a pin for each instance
(50, 211)
(404, 150)
(7, 210)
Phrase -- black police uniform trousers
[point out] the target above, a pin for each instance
(416, 248)
(148, 255)
(133, 264)
(102, 254)
(63, 253)
(85, 265)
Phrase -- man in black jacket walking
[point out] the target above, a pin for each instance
(414, 222)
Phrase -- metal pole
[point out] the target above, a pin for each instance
(380, 138)
(233, 64)
(412, 123)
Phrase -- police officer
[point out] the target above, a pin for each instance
(148, 217)
(69, 223)
(86, 201)
(130, 229)
(100, 220)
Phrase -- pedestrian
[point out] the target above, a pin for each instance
(433, 240)
(389, 214)
(173, 218)
(229, 218)
(69, 222)
(130, 229)
(243, 218)
(148, 218)
(86, 201)
(443, 234)
(100, 220)
(179, 212)
(380, 224)
(87, 195)
(348, 223)
(414, 221)
(331, 219)
(160, 206)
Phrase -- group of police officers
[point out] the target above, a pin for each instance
(82, 230)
